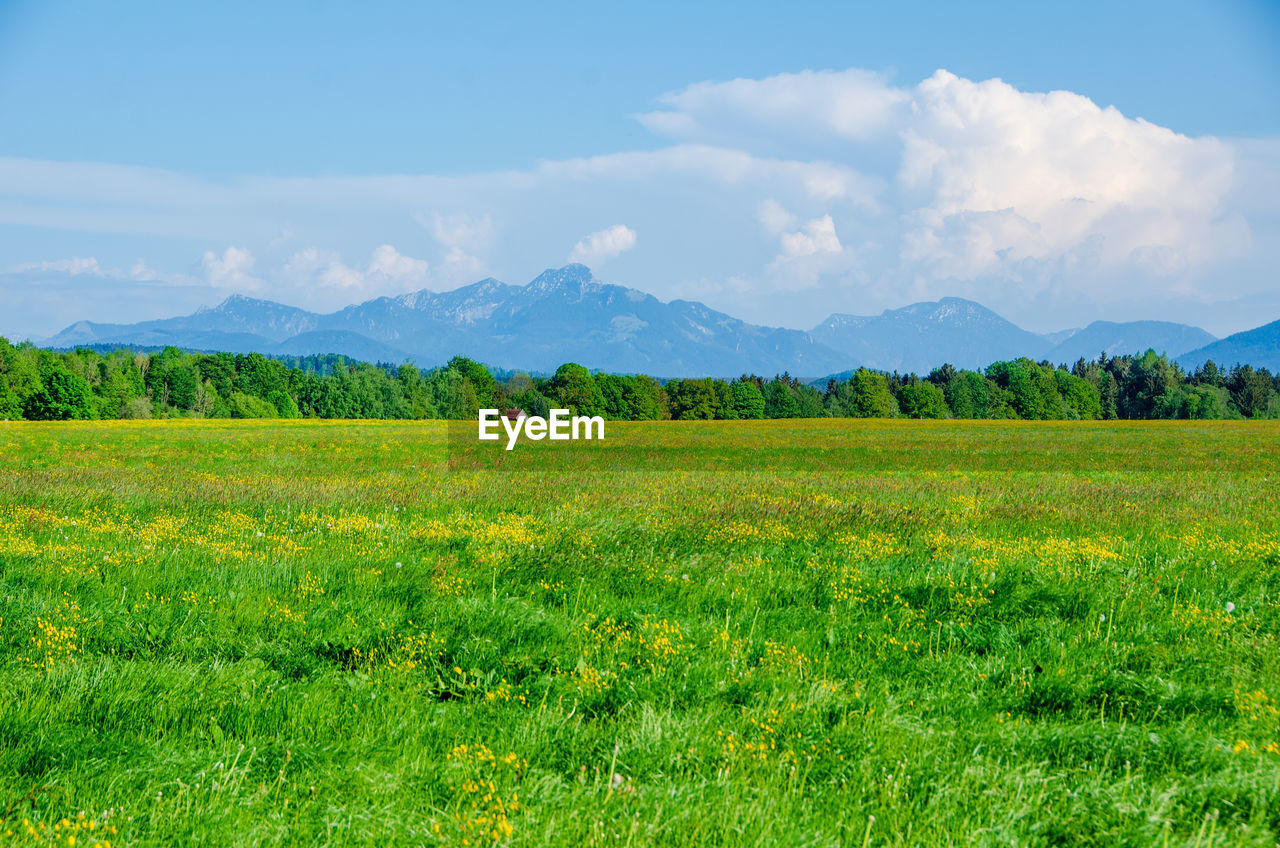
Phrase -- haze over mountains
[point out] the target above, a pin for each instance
(566, 315)
(1259, 347)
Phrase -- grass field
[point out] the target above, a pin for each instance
(774, 633)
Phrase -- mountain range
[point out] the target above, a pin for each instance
(1259, 347)
(566, 315)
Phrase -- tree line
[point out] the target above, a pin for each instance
(38, 384)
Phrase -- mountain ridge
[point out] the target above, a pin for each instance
(974, 335)
(568, 315)
(1114, 338)
(1259, 347)
(562, 315)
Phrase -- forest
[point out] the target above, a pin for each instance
(39, 385)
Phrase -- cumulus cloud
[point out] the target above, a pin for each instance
(817, 236)
(1008, 176)
(809, 254)
(388, 272)
(231, 270)
(850, 104)
(774, 217)
(598, 247)
(852, 190)
(142, 271)
(465, 238)
(391, 264)
(1042, 190)
(324, 268)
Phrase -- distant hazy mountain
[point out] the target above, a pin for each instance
(566, 315)
(238, 324)
(1259, 347)
(1131, 337)
(922, 336)
(1059, 336)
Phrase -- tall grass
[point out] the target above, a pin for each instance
(796, 633)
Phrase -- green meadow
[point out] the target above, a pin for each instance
(818, 633)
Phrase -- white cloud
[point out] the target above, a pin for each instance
(783, 198)
(90, 267)
(231, 270)
(817, 236)
(389, 263)
(74, 266)
(465, 239)
(142, 272)
(388, 272)
(809, 254)
(1006, 177)
(599, 247)
(850, 104)
(725, 167)
(1045, 191)
(774, 217)
(323, 268)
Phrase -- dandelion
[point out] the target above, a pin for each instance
(1230, 607)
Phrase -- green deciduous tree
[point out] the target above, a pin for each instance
(923, 399)
(748, 400)
(696, 400)
(482, 382)
(779, 400)
(62, 395)
(247, 406)
(871, 397)
(573, 388)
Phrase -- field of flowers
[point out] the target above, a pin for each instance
(839, 632)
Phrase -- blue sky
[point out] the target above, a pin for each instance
(155, 157)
